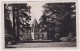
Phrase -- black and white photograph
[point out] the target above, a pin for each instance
(39, 24)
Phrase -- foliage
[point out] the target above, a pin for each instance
(57, 19)
(17, 17)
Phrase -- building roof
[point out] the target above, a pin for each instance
(34, 23)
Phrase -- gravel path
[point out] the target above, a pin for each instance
(49, 44)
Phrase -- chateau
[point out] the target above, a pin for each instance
(35, 33)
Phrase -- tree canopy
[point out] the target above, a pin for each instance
(57, 19)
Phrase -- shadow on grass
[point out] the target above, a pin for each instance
(9, 47)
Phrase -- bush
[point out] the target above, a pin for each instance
(9, 39)
(64, 39)
(73, 39)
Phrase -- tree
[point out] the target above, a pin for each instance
(56, 19)
(22, 17)
(17, 17)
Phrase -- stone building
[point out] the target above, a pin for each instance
(35, 33)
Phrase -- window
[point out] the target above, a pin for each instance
(42, 36)
(38, 36)
(31, 30)
(32, 25)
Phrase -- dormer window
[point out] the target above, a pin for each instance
(32, 25)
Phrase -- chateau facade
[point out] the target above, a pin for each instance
(35, 33)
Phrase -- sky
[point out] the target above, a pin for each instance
(36, 10)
